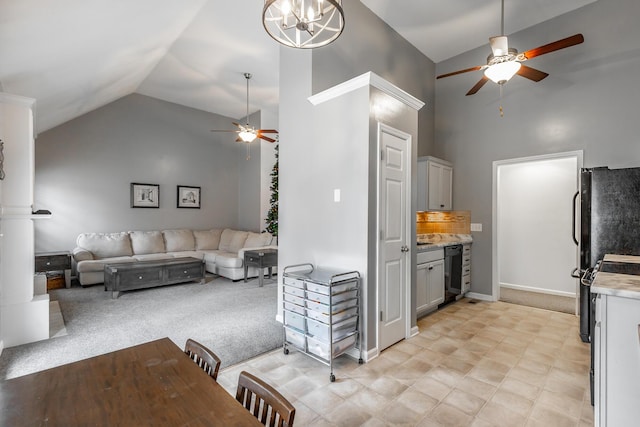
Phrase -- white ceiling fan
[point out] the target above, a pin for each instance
(504, 62)
(247, 133)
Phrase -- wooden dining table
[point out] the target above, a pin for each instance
(148, 384)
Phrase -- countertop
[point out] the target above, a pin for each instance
(619, 285)
(427, 242)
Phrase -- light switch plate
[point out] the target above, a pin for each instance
(476, 227)
(336, 195)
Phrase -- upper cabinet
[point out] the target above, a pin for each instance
(435, 179)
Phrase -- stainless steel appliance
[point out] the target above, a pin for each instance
(609, 224)
(452, 273)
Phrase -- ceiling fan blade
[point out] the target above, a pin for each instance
(238, 139)
(479, 67)
(266, 138)
(267, 131)
(236, 124)
(531, 73)
(478, 85)
(552, 47)
(219, 130)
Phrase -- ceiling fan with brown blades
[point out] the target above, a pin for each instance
(505, 62)
(247, 133)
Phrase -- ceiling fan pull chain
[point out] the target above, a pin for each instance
(501, 111)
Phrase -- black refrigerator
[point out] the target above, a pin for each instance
(609, 224)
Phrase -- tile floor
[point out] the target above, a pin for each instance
(472, 364)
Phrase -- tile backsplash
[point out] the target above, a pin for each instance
(452, 222)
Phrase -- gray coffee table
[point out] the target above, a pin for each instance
(127, 276)
(261, 259)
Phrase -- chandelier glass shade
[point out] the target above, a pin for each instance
(303, 24)
(502, 71)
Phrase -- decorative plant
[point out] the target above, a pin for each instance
(272, 214)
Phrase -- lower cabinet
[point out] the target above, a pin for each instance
(429, 281)
(466, 268)
(617, 361)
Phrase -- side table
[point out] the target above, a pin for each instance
(55, 261)
(261, 259)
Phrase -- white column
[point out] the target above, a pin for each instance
(24, 317)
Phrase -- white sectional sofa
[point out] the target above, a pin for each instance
(222, 250)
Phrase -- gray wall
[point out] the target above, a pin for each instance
(84, 169)
(589, 102)
(369, 44)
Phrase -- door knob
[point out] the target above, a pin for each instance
(404, 248)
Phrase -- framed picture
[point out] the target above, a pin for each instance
(145, 195)
(188, 197)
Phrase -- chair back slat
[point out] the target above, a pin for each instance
(264, 402)
(204, 358)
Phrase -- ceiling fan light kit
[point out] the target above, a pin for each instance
(303, 24)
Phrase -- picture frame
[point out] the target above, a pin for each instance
(145, 195)
(188, 197)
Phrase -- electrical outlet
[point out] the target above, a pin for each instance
(336, 195)
(476, 227)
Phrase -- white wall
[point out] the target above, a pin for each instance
(534, 223)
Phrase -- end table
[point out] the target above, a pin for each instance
(55, 261)
(261, 259)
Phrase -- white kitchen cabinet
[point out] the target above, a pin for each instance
(617, 361)
(435, 179)
(429, 281)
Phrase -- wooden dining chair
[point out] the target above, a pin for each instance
(264, 402)
(204, 357)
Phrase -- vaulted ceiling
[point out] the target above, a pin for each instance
(74, 56)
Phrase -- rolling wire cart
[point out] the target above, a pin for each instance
(321, 312)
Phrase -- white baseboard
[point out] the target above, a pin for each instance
(414, 331)
(279, 318)
(1, 347)
(538, 290)
(481, 297)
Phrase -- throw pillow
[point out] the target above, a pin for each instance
(179, 240)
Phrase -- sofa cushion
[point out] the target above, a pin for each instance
(179, 240)
(105, 245)
(152, 257)
(187, 254)
(98, 264)
(232, 240)
(258, 240)
(146, 242)
(228, 259)
(207, 239)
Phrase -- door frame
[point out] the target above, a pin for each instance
(495, 270)
(384, 128)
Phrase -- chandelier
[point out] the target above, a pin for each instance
(303, 24)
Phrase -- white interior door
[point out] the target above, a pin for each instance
(393, 255)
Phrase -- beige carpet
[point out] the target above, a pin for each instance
(538, 300)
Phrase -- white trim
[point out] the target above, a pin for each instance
(279, 318)
(495, 267)
(415, 331)
(481, 297)
(367, 79)
(10, 98)
(537, 290)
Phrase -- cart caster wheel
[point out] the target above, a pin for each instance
(332, 378)
(360, 361)
(286, 351)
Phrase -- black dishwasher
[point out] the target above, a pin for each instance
(452, 273)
